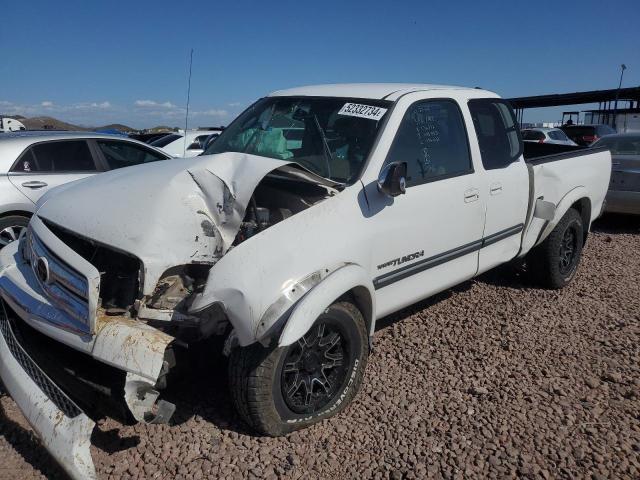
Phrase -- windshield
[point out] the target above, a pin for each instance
(331, 137)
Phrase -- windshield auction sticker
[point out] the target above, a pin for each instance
(362, 111)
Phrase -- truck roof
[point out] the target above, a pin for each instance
(378, 91)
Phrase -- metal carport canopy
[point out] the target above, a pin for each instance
(576, 98)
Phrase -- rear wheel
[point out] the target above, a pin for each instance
(278, 390)
(555, 261)
(11, 227)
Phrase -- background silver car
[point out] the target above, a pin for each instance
(554, 136)
(33, 162)
(624, 188)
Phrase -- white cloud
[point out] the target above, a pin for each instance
(46, 104)
(235, 104)
(90, 106)
(152, 103)
(212, 113)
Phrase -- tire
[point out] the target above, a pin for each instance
(10, 228)
(555, 261)
(260, 378)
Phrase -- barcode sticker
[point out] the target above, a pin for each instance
(362, 111)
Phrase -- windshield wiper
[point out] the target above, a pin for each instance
(328, 156)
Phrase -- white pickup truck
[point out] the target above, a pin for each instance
(320, 210)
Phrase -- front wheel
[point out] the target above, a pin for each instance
(11, 227)
(555, 261)
(282, 389)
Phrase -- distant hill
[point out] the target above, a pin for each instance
(116, 126)
(161, 128)
(50, 123)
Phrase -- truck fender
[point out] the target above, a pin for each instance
(563, 206)
(322, 296)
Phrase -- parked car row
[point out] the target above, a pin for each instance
(573, 135)
(34, 162)
(189, 144)
(585, 135)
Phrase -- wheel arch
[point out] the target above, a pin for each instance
(583, 207)
(578, 199)
(18, 213)
(350, 281)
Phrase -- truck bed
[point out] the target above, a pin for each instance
(559, 176)
(534, 150)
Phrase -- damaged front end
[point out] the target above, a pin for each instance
(97, 302)
(64, 379)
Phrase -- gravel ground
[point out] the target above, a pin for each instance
(494, 378)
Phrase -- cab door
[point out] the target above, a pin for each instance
(504, 181)
(427, 239)
(49, 164)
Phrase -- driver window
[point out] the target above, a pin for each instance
(432, 139)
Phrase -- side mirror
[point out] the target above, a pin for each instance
(392, 180)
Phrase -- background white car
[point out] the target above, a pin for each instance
(32, 163)
(547, 135)
(176, 145)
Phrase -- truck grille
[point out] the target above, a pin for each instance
(50, 389)
(120, 273)
(66, 288)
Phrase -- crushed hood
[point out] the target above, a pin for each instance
(166, 213)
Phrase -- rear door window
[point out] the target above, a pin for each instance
(553, 135)
(497, 132)
(58, 157)
(560, 135)
(125, 154)
(166, 140)
(532, 135)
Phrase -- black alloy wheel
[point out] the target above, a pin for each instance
(314, 369)
(568, 249)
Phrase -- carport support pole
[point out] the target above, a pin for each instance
(623, 67)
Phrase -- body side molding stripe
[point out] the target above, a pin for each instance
(409, 270)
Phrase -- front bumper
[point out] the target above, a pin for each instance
(63, 428)
(129, 346)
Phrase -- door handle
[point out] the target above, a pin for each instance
(34, 184)
(471, 195)
(495, 189)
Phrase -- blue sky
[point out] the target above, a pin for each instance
(100, 62)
